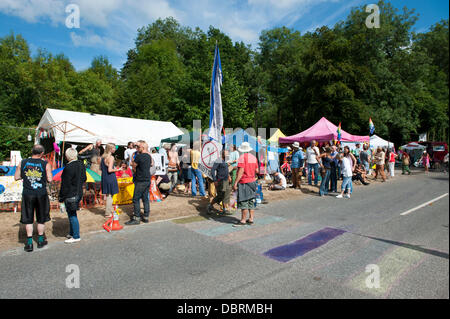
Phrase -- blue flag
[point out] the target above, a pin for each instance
(215, 113)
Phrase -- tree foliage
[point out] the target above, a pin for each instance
(347, 73)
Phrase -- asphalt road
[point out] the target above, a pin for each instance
(197, 258)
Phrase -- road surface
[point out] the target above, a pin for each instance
(314, 247)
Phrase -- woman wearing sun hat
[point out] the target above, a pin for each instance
(246, 184)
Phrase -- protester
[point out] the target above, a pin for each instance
(346, 167)
(379, 161)
(297, 165)
(246, 196)
(142, 180)
(196, 173)
(425, 159)
(279, 182)
(387, 156)
(350, 156)
(222, 179)
(109, 179)
(325, 165)
(35, 173)
(357, 151)
(173, 166)
(128, 156)
(360, 174)
(125, 170)
(95, 165)
(333, 170)
(92, 151)
(233, 162)
(163, 184)
(186, 170)
(72, 179)
(406, 160)
(392, 157)
(364, 158)
(313, 165)
(445, 162)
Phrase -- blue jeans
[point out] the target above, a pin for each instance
(333, 179)
(196, 173)
(141, 191)
(316, 173)
(366, 166)
(347, 184)
(74, 226)
(324, 184)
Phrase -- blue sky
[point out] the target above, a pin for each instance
(108, 27)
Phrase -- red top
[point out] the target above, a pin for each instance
(127, 171)
(392, 159)
(250, 164)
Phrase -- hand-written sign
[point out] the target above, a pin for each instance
(13, 189)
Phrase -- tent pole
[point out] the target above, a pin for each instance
(64, 142)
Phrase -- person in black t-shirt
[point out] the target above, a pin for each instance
(35, 174)
(141, 168)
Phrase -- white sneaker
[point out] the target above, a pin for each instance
(72, 240)
(347, 196)
(339, 196)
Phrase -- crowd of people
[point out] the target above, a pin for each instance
(332, 163)
(236, 171)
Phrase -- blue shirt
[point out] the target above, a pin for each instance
(297, 159)
(335, 160)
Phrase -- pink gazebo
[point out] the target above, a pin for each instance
(322, 131)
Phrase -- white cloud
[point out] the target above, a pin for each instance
(35, 10)
(95, 40)
(112, 24)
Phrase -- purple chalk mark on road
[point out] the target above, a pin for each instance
(302, 246)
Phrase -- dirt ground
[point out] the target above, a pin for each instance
(12, 233)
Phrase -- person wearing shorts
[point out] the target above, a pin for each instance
(246, 179)
(35, 173)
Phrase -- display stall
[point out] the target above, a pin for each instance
(322, 131)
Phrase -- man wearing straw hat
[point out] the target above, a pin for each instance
(246, 184)
(296, 165)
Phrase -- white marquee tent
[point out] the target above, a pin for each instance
(78, 127)
(375, 141)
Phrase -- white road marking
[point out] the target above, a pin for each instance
(423, 205)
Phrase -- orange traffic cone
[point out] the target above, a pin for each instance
(115, 224)
(108, 225)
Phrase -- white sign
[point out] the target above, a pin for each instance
(12, 189)
(160, 164)
(16, 158)
(210, 153)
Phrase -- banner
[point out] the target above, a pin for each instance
(12, 190)
(126, 191)
(215, 112)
